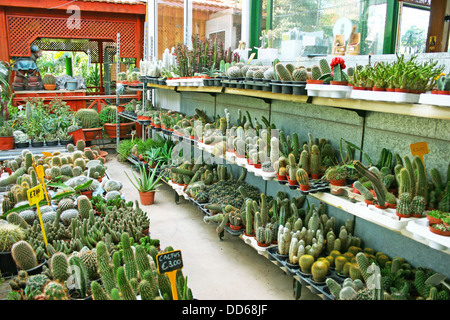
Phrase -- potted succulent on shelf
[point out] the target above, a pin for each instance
(6, 135)
(108, 119)
(90, 122)
(146, 184)
(336, 175)
(21, 140)
(64, 137)
(37, 141)
(51, 139)
(49, 81)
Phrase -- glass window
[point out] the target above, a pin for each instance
(413, 29)
(312, 26)
(170, 24)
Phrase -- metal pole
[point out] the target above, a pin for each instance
(117, 92)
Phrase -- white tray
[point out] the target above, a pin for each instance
(420, 230)
(251, 241)
(328, 91)
(442, 100)
(399, 97)
(185, 82)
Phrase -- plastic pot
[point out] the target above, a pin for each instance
(6, 143)
(147, 198)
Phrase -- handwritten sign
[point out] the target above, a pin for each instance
(170, 262)
(35, 195)
(419, 149)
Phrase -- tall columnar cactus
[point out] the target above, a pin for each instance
(80, 274)
(404, 204)
(444, 203)
(142, 260)
(316, 72)
(124, 285)
(421, 187)
(24, 255)
(128, 257)
(293, 167)
(84, 205)
(105, 268)
(302, 177)
(315, 160)
(98, 293)
(324, 66)
(404, 181)
(363, 190)
(417, 206)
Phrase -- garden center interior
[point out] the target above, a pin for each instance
(225, 150)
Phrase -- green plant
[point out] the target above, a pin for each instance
(24, 255)
(147, 181)
(108, 115)
(10, 234)
(49, 79)
(89, 118)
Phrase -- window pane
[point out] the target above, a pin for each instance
(311, 25)
(170, 24)
(413, 30)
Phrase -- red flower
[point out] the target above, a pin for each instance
(336, 61)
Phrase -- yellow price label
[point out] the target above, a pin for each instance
(47, 154)
(35, 195)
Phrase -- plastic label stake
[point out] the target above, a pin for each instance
(40, 174)
(252, 56)
(35, 195)
(419, 149)
(170, 262)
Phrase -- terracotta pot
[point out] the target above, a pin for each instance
(390, 89)
(434, 92)
(111, 129)
(147, 198)
(445, 92)
(77, 135)
(368, 202)
(314, 81)
(439, 232)
(6, 143)
(339, 83)
(87, 193)
(315, 176)
(92, 133)
(235, 227)
(281, 178)
(305, 187)
(262, 244)
(50, 86)
(401, 90)
(339, 183)
(358, 88)
(292, 182)
(433, 220)
(392, 205)
(402, 215)
(380, 207)
(258, 165)
(378, 89)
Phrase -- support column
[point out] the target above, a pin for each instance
(255, 24)
(188, 23)
(436, 26)
(4, 48)
(100, 61)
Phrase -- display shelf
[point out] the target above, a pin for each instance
(402, 108)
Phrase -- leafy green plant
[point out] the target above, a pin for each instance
(147, 181)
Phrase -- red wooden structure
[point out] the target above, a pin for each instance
(27, 22)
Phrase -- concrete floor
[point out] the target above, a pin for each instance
(226, 269)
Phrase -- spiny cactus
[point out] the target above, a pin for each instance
(10, 234)
(24, 255)
(283, 72)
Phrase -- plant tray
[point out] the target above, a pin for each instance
(315, 186)
(251, 241)
(328, 91)
(441, 100)
(298, 89)
(386, 96)
(420, 231)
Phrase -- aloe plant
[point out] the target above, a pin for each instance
(147, 181)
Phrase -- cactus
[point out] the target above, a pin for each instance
(421, 187)
(319, 271)
(316, 72)
(24, 255)
(302, 177)
(84, 205)
(81, 277)
(375, 179)
(404, 204)
(10, 234)
(306, 262)
(315, 160)
(299, 74)
(59, 266)
(417, 206)
(98, 293)
(363, 190)
(128, 257)
(282, 72)
(324, 66)
(105, 268)
(88, 118)
(124, 285)
(55, 290)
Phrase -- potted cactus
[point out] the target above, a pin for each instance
(146, 184)
(90, 122)
(339, 76)
(6, 135)
(49, 81)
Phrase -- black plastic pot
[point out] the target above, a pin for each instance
(52, 143)
(7, 265)
(299, 88)
(65, 142)
(22, 145)
(37, 144)
(37, 269)
(286, 87)
(276, 86)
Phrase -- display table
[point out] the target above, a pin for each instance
(72, 98)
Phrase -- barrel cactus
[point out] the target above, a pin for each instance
(24, 255)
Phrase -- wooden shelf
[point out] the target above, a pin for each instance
(409, 109)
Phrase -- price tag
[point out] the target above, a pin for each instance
(35, 195)
(170, 262)
(47, 154)
(40, 172)
(419, 149)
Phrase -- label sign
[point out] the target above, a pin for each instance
(35, 195)
(169, 261)
(40, 171)
(419, 148)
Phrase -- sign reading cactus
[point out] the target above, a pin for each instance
(170, 262)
